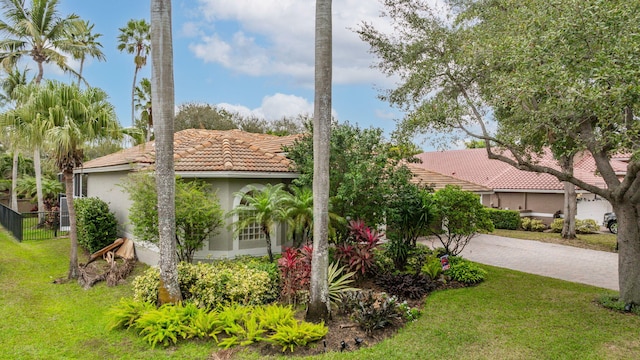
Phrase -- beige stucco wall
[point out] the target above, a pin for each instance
(105, 186)
(538, 205)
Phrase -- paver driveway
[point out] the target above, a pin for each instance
(569, 263)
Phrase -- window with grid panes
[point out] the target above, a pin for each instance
(251, 232)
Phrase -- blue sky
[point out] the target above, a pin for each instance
(250, 56)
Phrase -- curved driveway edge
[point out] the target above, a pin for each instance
(591, 267)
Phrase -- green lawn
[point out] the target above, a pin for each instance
(602, 242)
(510, 316)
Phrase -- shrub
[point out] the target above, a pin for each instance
(239, 325)
(382, 262)
(556, 225)
(465, 271)
(370, 311)
(406, 286)
(587, 226)
(212, 285)
(295, 272)
(432, 268)
(298, 334)
(126, 312)
(357, 252)
(166, 325)
(462, 217)
(529, 224)
(504, 219)
(398, 251)
(97, 227)
(417, 257)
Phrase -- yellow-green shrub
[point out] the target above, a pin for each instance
(212, 285)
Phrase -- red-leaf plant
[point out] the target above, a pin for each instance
(357, 252)
(295, 272)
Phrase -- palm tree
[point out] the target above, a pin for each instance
(135, 38)
(38, 32)
(9, 97)
(85, 44)
(264, 207)
(319, 305)
(164, 101)
(71, 118)
(143, 103)
(299, 214)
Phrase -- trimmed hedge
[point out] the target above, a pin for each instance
(97, 227)
(504, 219)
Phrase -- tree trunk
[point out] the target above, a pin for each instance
(133, 95)
(629, 252)
(73, 234)
(80, 72)
(268, 240)
(163, 100)
(38, 170)
(570, 206)
(14, 180)
(319, 305)
(570, 211)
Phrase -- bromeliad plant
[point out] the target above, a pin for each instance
(357, 251)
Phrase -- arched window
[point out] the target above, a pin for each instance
(254, 231)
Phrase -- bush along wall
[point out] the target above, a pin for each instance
(97, 226)
(504, 219)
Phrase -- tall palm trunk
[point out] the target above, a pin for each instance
(38, 170)
(133, 96)
(80, 72)
(163, 100)
(73, 257)
(318, 309)
(14, 180)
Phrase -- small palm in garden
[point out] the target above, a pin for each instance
(264, 207)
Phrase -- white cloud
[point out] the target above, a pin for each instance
(275, 107)
(276, 37)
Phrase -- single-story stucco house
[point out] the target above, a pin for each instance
(230, 161)
(533, 194)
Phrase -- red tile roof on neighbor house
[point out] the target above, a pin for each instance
(197, 150)
(438, 181)
(474, 165)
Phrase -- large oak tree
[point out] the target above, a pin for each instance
(528, 76)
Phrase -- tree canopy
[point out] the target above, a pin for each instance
(524, 77)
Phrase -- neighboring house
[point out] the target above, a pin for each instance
(533, 194)
(230, 161)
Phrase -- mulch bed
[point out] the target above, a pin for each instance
(343, 329)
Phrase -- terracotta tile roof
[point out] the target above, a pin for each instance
(210, 150)
(438, 181)
(473, 165)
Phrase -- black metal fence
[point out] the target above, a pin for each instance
(12, 221)
(31, 226)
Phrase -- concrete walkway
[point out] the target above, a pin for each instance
(597, 268)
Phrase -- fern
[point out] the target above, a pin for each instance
(300, 334)
(273, 316)
(163, 325)
(125, 314)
